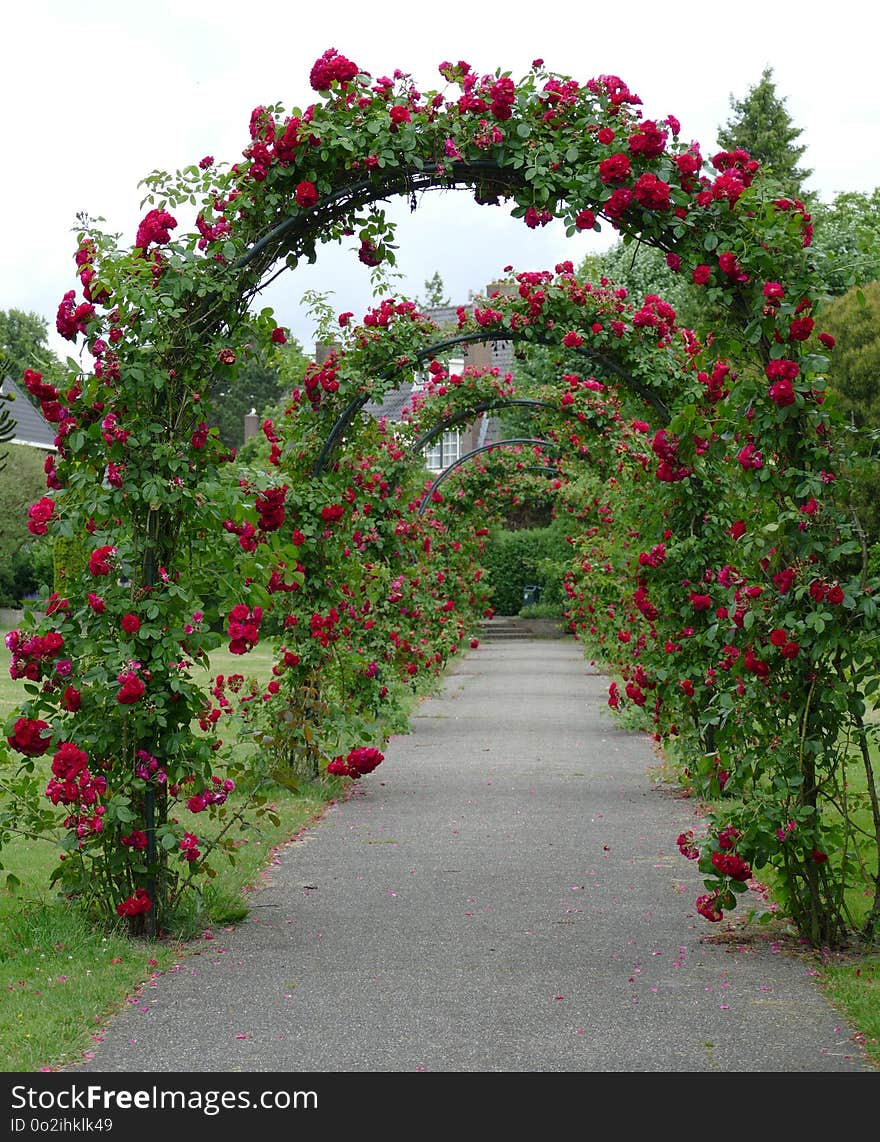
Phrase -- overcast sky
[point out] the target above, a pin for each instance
(97, 94)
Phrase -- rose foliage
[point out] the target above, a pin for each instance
(713, 568)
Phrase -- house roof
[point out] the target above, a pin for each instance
(31, 427)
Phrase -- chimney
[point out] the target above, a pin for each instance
(251, 425)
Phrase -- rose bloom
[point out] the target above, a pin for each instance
(782, 392)
(131, 690)
(701, 274)
(28, 737)
(306, 195)
(614, 169)
(708, 908)
(131, 624)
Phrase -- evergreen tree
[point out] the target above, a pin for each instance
(435, 292)
(854, 380)
(761, 125)
(259, 384)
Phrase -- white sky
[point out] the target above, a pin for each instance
(95, 94)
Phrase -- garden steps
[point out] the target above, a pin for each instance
(515, 626)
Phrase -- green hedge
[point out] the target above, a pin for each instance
(529, 557)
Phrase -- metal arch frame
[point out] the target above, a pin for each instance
(463, 417)
(348, 414)
(469, 456)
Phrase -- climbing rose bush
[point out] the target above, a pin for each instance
(712, 453)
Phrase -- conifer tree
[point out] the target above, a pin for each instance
(761, 125)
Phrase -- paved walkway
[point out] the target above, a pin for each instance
(504, 894)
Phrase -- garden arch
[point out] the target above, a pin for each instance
(736, 462)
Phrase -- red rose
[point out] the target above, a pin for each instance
(29, 737)
(99, 560)
(614, 169)
(131, 690)
(782, 393)
(306, 195)
(131, 624)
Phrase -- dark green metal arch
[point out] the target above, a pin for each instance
(470, 455)
(479, 337)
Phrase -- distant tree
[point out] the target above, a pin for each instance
(846, 240)
(259, 384)
(854, 379)
(22, 483)
(761, 125)
(642, 270)
(854, 322)
(435, 292)
(7, 429)
(24, 345)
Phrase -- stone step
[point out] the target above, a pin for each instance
(514, 627)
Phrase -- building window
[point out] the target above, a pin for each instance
(444, 451)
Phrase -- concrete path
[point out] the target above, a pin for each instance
(503, 894)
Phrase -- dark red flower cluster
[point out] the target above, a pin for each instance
(156, 228)
(40, 515)
(244, 628)
(357, 763)
(99, 560)
(306, 194)
(131, 688)
(30, 736)
(270, 508)
(709, 907)
(72, 318)
(329, 68)
(136, 904)
(72, 784)
(30, 656)
(731, 864)
(665, 448)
